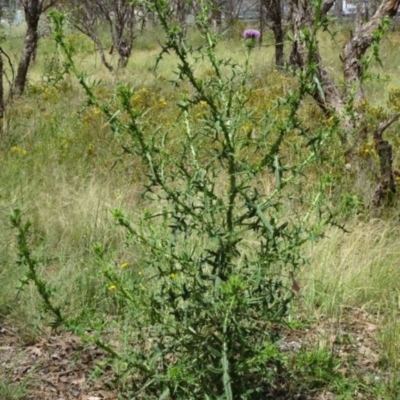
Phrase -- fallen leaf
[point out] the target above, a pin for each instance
(35, 351)
(79, 381)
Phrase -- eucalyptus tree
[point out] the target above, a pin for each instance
(346, 102)
(33, 10)
(90, 17)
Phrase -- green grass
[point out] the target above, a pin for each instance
(13, 391)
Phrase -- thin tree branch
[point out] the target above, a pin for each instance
(10, 81)
(384, 125)
(9, 62)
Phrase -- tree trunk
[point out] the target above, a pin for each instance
(386, 188)
(262, 21)
(100, 48)
(274, 14)
(122, 31)
(279, 49)
(124, 51)
(33, 9)
(329, 99)
(30, 43)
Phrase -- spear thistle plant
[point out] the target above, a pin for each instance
(251, 36)
(216, 247)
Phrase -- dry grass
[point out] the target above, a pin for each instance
(357, 269)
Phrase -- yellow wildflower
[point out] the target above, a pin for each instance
(111, 288)
(124, 265)
(18, 150)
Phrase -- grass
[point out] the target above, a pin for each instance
(13, 391)
(61, 165)
(351, 276)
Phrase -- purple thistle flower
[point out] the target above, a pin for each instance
(251, 34)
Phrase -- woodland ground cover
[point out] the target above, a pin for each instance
(67, 172)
